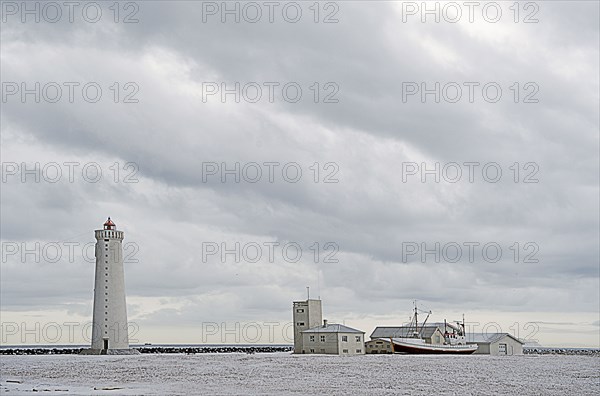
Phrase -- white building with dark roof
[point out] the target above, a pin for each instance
(333, 339)
(497, 344)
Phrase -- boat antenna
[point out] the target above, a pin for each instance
(464, 333)
(308, 292)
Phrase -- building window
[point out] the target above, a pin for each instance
(300, 310)
(312, 338)
(344, 351)
(357, 338)
(322, 338)
(359, 351)
(312, 351)
(322, 350)
(344, 338)
(300, 323)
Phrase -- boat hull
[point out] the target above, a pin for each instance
(407, 348)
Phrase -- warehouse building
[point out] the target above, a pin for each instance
(432, 334)
(497, 344)
(378, 346)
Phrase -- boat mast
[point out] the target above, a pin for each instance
(416, 320)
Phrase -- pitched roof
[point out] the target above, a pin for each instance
(489, 338)
(333, 328)
(402, 331)
(449, 326)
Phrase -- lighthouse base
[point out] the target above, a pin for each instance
(109, 352)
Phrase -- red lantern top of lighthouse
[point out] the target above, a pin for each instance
(109, 225)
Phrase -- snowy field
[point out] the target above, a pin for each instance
(283, 373)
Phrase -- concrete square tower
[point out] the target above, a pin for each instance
(307, 314)
(109, 330)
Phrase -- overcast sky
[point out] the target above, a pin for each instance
(360, 134)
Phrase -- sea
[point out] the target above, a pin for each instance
(283, 373)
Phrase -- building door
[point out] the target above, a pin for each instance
(105, 343)
(501, 349)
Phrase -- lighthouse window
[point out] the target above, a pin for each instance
(106, 299)
(106, 306)
(106, 287)
(105, 313)
(106, 268)
(106, 280)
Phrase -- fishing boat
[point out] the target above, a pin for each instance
(413, 343)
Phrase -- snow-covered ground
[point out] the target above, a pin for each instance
(283, 373)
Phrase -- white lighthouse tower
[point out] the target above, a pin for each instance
(109, 330)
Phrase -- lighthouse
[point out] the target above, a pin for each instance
(109, 330)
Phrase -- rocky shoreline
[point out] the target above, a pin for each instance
(152, 349)
(257, 349)
(561, 351)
